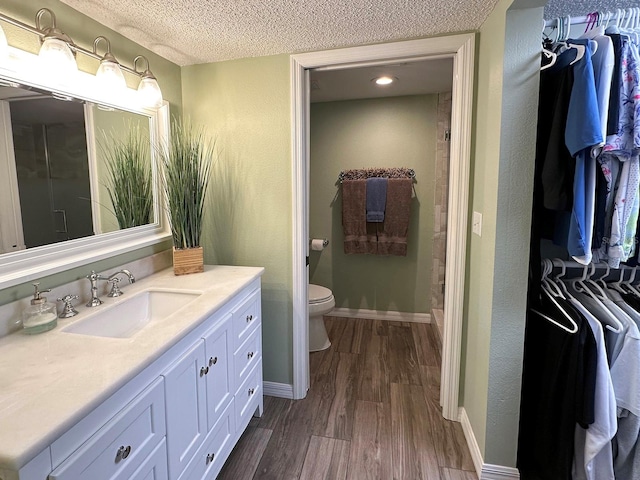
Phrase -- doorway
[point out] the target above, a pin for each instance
(461, 49)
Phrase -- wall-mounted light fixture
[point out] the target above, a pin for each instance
(57, 59)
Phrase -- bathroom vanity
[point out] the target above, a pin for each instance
(168, 398)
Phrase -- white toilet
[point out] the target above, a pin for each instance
(321, 302)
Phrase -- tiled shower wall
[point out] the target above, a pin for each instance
(441, 193)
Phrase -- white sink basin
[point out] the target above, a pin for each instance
(130, 315)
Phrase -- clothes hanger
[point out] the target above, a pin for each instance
(558, 277)
(546, 52)
(612, 322)
(547, 267)
(628, 283)
(602, 283)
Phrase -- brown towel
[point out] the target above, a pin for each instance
(392, 234)
(354, 221)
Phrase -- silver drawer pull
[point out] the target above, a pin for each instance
(204, 371)
(249, 318)
(123, 452)
(249, 355)
(213, 361)
(251, 391)
(210, 458)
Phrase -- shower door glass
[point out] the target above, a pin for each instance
(52, 171)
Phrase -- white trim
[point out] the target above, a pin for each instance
(299, 180)
(457, 226)
(498, 472)
(390, 316)
(472, 443)
(485, 471)
(461, 48)
(280, 390)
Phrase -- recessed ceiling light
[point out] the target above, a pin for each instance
(384, 80)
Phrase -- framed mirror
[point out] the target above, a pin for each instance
(57, 204)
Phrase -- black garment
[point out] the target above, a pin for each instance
(558, 390)
(554, 165)
(631, 300)
(614, 97)
(599, 224)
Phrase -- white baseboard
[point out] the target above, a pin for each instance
(498, 472)
(281, 390)
(485, 471)
(378, 315)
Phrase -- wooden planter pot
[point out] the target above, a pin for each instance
(188, 260)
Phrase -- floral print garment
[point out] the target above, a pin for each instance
(624, 147)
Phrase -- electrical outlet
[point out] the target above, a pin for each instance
(476, 226)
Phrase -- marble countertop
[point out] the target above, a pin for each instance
(49, 381)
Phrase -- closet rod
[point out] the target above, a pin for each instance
(583, 20)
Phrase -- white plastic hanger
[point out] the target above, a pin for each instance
(612, 322)
(547, 53)
(547, 268)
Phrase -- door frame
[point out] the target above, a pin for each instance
(461, 48)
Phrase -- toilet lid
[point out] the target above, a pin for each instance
(318, 294)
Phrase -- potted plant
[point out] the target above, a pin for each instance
(186, 163)
(129, 181)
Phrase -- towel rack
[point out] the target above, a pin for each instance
(360, 174)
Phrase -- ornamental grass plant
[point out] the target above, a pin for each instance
(129, 178)
(186, 165)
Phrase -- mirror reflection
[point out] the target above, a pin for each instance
(56, 172)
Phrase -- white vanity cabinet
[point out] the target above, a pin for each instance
(179, 417)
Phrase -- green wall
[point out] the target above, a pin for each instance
(385, 132)
(245, 105)
(83, 31)
(502, 181)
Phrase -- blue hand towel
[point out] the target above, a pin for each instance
(376, 199)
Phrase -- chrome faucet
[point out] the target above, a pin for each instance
(93, 279)
(113, 279)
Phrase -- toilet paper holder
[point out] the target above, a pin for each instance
(325, 242)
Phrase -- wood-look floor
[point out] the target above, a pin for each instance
(372, 412)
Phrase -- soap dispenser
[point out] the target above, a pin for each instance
(41, 315)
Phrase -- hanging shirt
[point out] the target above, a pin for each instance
(593, 456)
(583, 131)
(623, 147)
(558, 368)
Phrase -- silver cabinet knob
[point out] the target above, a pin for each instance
(123, 452)
(251, 391)
(249, 318)
(213, 361)
(249, 355)
(204, 371)
(210, 458)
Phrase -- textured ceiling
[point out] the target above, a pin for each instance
(579, 8)
(201, 31)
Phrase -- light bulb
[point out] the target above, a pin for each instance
(384, 80)
(110, 78)
(57, 60)
(149, 91)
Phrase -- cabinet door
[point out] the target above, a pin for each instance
(186, 396)
(154, 467)
(219, 378)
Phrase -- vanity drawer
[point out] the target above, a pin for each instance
(121, 445)
(247, 356)
(249, 396)
(210, 457)
(155, 466)
(246, 318)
